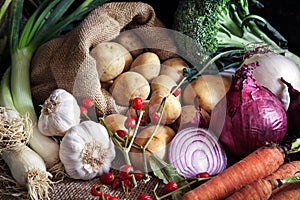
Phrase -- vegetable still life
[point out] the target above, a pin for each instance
(106, 100)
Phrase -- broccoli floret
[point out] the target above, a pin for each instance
(218, 25)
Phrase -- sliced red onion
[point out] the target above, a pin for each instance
(194, 150)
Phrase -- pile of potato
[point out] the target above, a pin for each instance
(127, 70)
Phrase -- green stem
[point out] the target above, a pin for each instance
(291, 179)
(179, 189)
(135, 131)
(20, 82)
(3, 9)
(5, 94)
(211, 61)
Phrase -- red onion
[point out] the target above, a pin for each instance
(249, 116)
(194, 150)
(293, 112)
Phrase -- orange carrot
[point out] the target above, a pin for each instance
(291, 192)
(263, 188)
(256, 165)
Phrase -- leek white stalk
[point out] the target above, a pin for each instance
(26, 166)
(48, 21)
(29, 171)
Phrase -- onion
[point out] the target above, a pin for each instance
(293, 111)
(249, 116)
(272, 67)
(194, 150)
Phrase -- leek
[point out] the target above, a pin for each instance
(50, 19)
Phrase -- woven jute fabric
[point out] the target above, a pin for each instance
(66, 63)
(75, 189)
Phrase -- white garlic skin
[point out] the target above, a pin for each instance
(59, 113)
(77, 141)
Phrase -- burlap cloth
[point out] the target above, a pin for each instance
(65, 62)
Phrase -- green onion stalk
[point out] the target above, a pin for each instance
(51, 18)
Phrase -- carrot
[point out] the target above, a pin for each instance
(263, 188)
(291, 192)
(256, 165)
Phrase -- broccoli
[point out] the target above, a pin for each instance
(216, 26)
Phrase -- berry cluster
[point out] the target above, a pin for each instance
(121, 179)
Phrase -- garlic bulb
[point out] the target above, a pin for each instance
(59, 113)
(87, 150)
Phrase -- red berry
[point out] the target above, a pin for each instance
(125, 171)
(122, 133)
(144, 197)
(203, 175)
(87, 102)
(107, 178)
(116, 183)
(137, 103)
(130, 122)
(155, 116)
(143, 122)
(176, 92)
(114, 198)
(171, 186)
(127, 183)
(105, 196)
(138, 174)
(96, 190)
(83, 110)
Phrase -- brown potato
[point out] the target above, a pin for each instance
(131, 42)
(158, 145)
(172, 106)
(147, 64)
(162, 82)
(188, 112)
(173, 67)
(116, 122)
(129, 85)
(111, 59)
(208, 89)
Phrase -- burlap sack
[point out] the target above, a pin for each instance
(66, 63)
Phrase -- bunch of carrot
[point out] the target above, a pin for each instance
(260, 175)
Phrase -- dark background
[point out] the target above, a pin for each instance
(283, 15)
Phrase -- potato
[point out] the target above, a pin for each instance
(129, 85)
(188, 112)
(158, 145)
(116, 122)
(147, 64)
(173, 67)
(208, 89)
(172, 106)
(111, 59)
(162, 82)
(131, 42)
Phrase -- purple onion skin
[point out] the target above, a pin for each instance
(249, 116)
(293, 112)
